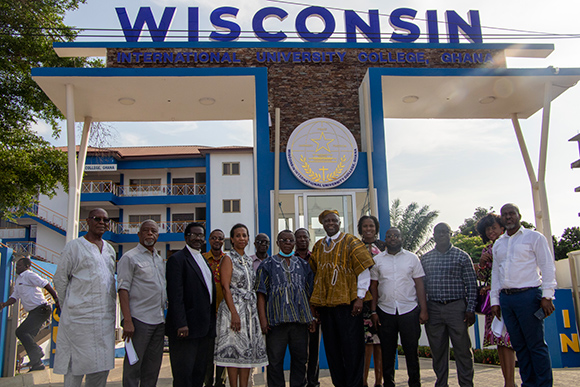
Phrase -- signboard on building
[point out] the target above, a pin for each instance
(100, 167)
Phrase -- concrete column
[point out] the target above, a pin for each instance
(72, 215)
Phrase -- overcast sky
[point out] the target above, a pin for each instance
(452, 166)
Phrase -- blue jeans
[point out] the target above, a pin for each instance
(527, 336)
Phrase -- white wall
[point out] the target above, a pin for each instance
(232, 187)
(49, 243)
(54, 210)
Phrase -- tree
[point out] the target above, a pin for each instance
(472, 245)
(469, 225)
(30, 165)
(415, 224)
(569, 241)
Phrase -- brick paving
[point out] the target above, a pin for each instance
(485, 375)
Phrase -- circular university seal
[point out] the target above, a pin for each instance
(322, 153)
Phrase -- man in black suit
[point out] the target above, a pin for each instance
(191, 317)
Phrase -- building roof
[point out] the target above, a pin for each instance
(173, 151)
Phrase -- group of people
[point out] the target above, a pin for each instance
(237, 312)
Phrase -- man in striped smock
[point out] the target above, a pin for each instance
(284, 284)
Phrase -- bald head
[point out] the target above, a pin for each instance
(511, 217)
(96, 211)
(98, 222)
(442, 237)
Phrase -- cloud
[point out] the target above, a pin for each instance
(127, 138)
(42, 128)
(440, 137)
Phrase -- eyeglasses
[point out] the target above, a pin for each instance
(215, 238)
(287, 240)
(392, 236)
(195, 235)
(263, 243)
(99, 219)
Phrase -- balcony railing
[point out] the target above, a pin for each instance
(114, 227)
(7, 233)
(133, 227)
(99, 187)
(51, 216)
(35, 250)
(143, 190)
(48, 215)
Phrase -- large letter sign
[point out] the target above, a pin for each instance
(400, 20)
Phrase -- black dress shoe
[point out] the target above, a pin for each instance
(37, 367)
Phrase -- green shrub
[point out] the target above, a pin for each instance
(483, 356)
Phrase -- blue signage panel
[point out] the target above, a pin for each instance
(561, 332)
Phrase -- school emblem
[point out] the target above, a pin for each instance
(322, 153)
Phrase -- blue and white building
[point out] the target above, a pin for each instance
(173, 185)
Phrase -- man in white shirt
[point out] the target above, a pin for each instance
(85, 283)
(523, 280)
(399, 305)
(28, 288)
(141, 287)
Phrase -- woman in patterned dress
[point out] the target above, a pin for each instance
(490, 228)
(368, 229)
(240, 345)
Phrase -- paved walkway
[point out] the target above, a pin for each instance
(485, 375)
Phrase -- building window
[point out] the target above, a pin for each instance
(227, 244)
(144, 187)
(180, 221)
(231, 205)
(230, 168)
(136, 220)
(141, 218)
(183, 186)
(145, 182)
(200, 214)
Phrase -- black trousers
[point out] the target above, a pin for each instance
(220, 372)
(313, 367)
(28, 330)
(408, 326)
(293, 336)
(344, 344)
(188, 358)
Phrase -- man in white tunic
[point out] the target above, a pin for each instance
(84, 281)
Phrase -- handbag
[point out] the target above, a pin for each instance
(483, 302)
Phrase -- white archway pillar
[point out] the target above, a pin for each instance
(539, 193)
(72, 209)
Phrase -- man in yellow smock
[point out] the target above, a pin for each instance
(340, 262)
